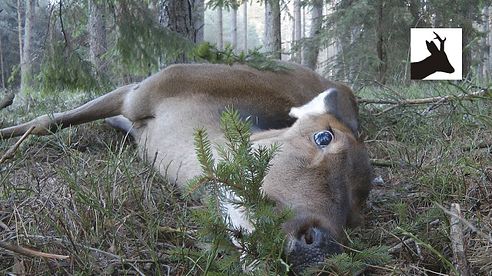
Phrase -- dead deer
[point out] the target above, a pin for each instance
(436, 62)
(322, 172)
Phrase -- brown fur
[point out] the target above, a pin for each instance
(325, 187)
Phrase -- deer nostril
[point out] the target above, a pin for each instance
(311, 236)
(308, 237)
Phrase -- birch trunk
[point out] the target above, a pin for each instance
(487, 63)
(26, 64)
(220, 39)
(234, 28)
(1, 63)
(245, 25)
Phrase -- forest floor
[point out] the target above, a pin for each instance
(83, 192)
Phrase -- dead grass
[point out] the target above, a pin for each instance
(84, 193)
(442, 156)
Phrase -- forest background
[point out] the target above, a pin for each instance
(80, 191)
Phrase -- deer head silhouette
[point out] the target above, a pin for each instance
(437, 61)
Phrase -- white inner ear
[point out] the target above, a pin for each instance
(315, 107)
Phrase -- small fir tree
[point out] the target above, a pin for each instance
(236, 178)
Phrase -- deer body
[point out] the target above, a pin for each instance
(436, 62)
(322, 171)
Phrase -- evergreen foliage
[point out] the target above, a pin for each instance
(236, 178)
(355, 262)
(228, 4)
(143, 44)
(62, 69)
(372, 37)
(10, 42)
(254, 58)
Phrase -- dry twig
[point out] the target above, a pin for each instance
(64, 241)
(465, 222)
(457, 242)
(430, 100)
(10, 153)
(31, 253)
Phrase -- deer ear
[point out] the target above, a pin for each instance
(343, 107)
(432, 47)
(334, 102)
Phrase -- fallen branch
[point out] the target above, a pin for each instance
(465, 222)
(7, 100)
(457, 242)
(122, 260)
(31, 253)
(430, 100)
(10, 153)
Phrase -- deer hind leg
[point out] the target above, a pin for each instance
(105, 106)
(124, 124)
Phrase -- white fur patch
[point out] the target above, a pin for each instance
(238, 219)
(315, 107)
(236, 213)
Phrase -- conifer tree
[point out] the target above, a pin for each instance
(235, 177)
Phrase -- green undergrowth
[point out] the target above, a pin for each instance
(84, 193)
(434, 155)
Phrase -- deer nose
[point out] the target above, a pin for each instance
(320, 238)
(310, 247)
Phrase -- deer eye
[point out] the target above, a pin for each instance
(323, 138)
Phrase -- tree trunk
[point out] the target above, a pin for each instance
(26, 65)
(272, 39)
(487, 62)
(303, 32)
(297, 31)
(178, 17)
(220, 39)
(97, 36)
(380, 43)
(489, 43)
(2, 68)
(234, 27)
(199, 13)
(467, 29)
(245, 25)
(19, 29)
(311, 49)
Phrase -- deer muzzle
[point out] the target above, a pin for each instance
(310, 247)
